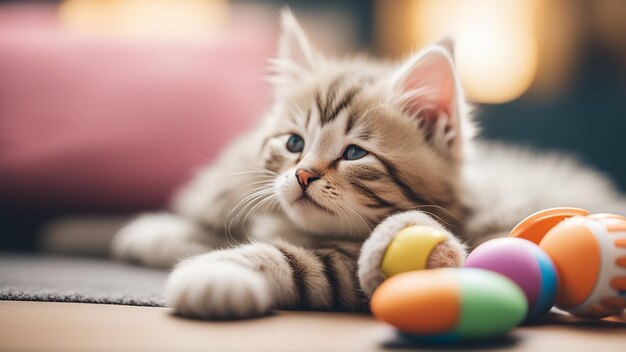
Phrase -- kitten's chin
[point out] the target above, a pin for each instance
(315, 218)
(307, 215)
(314, 215)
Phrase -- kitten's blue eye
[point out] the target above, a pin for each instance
(353, 152)
(295, 143)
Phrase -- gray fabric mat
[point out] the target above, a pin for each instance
(25, 277)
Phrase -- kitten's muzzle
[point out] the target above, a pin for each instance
(306, 177)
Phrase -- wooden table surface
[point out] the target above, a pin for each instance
(43, 326)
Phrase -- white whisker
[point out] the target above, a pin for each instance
(275, 210)
(344, 215)
(256, 206)
(441, 208)
(243, 205)
(250, 200)
(250, 194)
(229, 234)
(263, 173)
(420, 208)
(359, 216)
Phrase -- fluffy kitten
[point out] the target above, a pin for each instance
(348, 146)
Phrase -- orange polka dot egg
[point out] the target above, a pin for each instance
(589, 253)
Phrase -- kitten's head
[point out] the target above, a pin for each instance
(355, 140)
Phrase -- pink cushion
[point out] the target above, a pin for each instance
(105, 124)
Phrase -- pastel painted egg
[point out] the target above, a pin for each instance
(523, 262)
(535, 226)
(410, 249)
(450, 304)
(590, 257)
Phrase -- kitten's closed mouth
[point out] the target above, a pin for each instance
(305, 199)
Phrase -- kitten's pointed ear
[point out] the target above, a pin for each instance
(448, 44)
(428, 91)
(293, 46)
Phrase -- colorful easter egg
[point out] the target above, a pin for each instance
(450, 304)
(535, 226)
(523, 262)
(590, 257)
(410, 249)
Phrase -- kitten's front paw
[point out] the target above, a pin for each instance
(158, 240)
(450, 253)
(217, 290)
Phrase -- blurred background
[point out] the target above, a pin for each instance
(106, 106)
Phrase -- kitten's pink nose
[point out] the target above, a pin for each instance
(305, 177)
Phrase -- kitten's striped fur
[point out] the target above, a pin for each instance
(286, 251)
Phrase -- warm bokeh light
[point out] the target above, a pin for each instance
(496, 46)
(145, 19)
